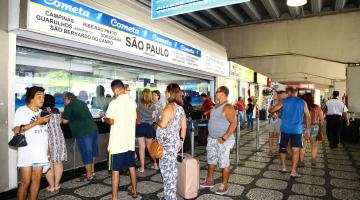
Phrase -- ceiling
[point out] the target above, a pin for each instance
(259, 11)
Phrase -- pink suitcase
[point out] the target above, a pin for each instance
(188, 179)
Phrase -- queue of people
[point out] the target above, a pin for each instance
(295, 120)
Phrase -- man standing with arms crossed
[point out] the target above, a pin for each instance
(293, 110)
(121, 115)
(222, 125)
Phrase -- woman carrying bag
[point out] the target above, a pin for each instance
(172, 121)
(34, 156)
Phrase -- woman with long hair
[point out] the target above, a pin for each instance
(57, 145)
(173, 120)
(145, 130)
(317, 121)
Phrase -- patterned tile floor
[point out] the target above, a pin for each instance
(336, 176)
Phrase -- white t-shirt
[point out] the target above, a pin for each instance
(122, 133)
(335, 107)
(37, 139)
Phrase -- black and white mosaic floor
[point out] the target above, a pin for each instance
(336, 176)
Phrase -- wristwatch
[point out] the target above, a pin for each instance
(182, 139)
(223, 138)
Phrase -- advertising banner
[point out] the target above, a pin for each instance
(73, 21)
(165, 8)
(241, 72)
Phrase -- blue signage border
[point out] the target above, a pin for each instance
(93, 15)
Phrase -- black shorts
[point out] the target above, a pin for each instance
(122, 161)
(296, 140)
(145, 130)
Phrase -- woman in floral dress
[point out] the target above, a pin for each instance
(57, 145)
(172, 120)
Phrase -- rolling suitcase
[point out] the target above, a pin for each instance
(188, 179)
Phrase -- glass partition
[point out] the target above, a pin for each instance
(90, 79)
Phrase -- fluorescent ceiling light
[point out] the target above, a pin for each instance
(296, 3)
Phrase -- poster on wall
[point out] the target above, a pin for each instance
(73, 21)
(241, 72)
(165, 8)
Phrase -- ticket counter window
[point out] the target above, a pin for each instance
(90, 79)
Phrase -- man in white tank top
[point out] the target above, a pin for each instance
(222, 125)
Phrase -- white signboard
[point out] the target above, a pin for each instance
(73, 21)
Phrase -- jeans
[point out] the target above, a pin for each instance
(250, 123)
(241, 118)
(187, 142)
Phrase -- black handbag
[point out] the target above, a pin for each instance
(18, 140)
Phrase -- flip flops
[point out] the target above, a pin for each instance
(134, 195)
(296, 175)
(222, 190)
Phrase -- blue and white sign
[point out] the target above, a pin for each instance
(73, 21)
(165, 8)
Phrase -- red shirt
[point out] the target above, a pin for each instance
(207, 106)
(240, 105)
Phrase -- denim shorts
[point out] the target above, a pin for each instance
(314, 130)
(145, 130)
(88, 147)
(45, 166)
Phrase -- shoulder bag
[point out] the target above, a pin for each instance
(155, 149)
(19, 139)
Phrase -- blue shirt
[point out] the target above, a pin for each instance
(292, 115)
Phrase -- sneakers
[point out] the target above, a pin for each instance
(207, 184)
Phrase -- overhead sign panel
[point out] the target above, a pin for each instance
(165, 8)
(73, 21)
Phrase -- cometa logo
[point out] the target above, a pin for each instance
(68, 7)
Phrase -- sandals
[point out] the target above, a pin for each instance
(283, 171)
(313, 162)
(222, 190)
(57, 188)
(86, 179)
(50, 189)
(155, 168)
(296, 175)
(134, 195)
(207, 184)
(141, 171)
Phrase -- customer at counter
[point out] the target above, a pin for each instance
(85, 131)
(121, 116)
(207, 105)
(145, 131)
(57, 145)
(100, 101)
